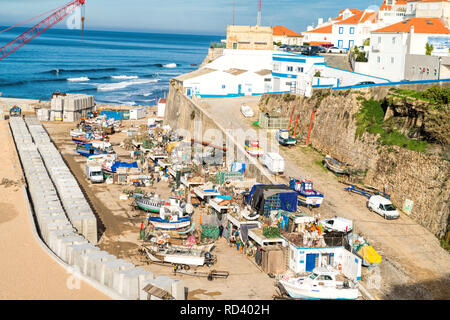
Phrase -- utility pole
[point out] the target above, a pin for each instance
(234, 11)
(439, 71)
(258, 21)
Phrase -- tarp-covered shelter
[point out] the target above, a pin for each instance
(272, 197)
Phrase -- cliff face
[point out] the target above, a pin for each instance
(422, 177)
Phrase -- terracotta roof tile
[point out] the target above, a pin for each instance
(361, 17)
(283, 31)
(326, 29)
(421, 25)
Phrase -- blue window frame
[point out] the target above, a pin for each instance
(351, 43)
(341, 30)
(352, 30)
(340, 43)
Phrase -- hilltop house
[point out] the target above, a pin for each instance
(249, 38)
(398, 51)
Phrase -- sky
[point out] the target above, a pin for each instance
(185, 16)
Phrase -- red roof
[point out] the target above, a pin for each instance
(421, 25)
(326, 29)
(354, 11)
(283, 31)
(360, 17)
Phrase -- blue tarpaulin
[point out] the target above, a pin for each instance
(287, 198)
(119, 164)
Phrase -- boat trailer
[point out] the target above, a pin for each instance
(365, 191)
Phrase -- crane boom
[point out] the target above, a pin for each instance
(39, 28)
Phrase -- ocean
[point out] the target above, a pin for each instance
(115, 67)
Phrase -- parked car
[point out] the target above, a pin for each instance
(383, 207)
(364, 82)
(338, 224)
(247, 111)
(274, 162)
(320, 49)
(336, 50)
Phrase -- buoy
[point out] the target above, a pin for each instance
(340, 267)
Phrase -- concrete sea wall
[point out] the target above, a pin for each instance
(66, 223)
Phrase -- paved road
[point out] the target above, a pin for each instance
(415, 265)
(26, 270)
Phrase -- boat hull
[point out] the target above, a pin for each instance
(151, 207)
(308, 200)
(323, 293)
(159, 223)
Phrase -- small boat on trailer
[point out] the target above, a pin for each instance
(178, 258)
(172, 214)
(149, 204)
(320, 284)
(285, 139)
(335, 165)
(306, 195)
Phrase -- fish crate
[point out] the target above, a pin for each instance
(223, 176)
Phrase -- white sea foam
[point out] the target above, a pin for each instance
(78, 79)
(170, 65)
(123, 84)
(124, 77)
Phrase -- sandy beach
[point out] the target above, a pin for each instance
(26, 270)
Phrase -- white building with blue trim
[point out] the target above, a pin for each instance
(256, 72)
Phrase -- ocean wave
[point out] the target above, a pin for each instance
(81, 79)
(123, 84)
(170, 65)
(62, 71)
(124, 77)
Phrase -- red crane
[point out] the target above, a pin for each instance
(58, 14)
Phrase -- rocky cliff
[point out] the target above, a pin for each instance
(392, 139)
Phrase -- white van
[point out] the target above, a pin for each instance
(274, 162)
(383, 207)
(338, 224)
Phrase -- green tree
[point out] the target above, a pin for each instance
(367, 42)
(428, 49)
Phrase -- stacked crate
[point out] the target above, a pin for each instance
(71, 107)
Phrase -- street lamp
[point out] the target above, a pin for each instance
(439, 70)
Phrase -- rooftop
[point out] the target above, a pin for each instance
(283, 31)
(360, 17)
(421, 25)
(326, 29)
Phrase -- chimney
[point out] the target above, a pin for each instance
(412, 30)
(320, 21)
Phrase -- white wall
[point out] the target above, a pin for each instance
(251, 60)
(387, 56)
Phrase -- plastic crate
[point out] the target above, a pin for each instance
(222, 176)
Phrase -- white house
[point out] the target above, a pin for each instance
(393, 11)
(390, 47)
(354, 30)
(235, 73)
(434, 9)
(284, 35)
(318, 36)
(303, 259)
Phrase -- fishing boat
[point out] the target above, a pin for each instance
(253, 148)
(88, 137)
(77, 133)
(320, 284)
(306, 195)
(87, 150)
(335, 165)
(284, 138)
(363, 249)
(149, 204)
(172, 256)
